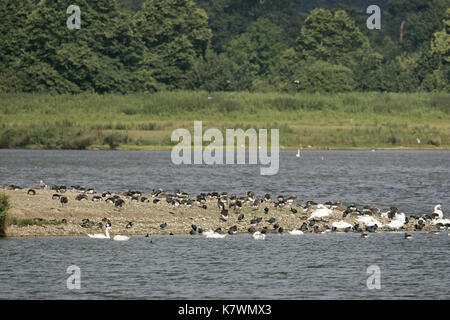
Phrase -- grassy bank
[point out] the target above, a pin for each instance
(140, 121)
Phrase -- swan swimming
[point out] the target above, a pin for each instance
(107, 235)
(214, 235)
(259, 236)
(100, 235)
(298, 153)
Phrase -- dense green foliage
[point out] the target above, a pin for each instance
(4, 206)
(224, 45)
(106, 121)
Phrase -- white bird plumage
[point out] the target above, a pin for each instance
(107, 236)
(259, 236)
(295, 232)
(369, 221)
(341, 225)
(398, 221)
(438, 211)
(320, 212)
(213, 235)
(101, 235)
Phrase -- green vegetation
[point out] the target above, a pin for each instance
(138, 69)
(147, 120)
(4, 206)
(127, 46)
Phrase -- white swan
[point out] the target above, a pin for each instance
(341, 225)
(369, 221)
(121, 238)
(398, 221)
(438, 211)
(259, 236)
(443, 221)
(213, 235)
(295, 232)
(107, 236)
(320, 212)
(298, 153)
(101, 235)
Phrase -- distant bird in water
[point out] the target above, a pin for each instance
(408, 236)
(298, 153)
(364, 235)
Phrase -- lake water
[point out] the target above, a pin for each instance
(331, 266)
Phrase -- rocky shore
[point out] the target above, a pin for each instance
(42, 212)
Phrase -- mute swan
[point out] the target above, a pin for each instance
(259, 236)
(438, 211)
(398, 222)
(107, 236)
(369, 221)
(341, 225)
(214, 235)
(101, 235)
(121, 238)
(320, 212)
(298, 153)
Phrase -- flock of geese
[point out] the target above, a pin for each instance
(318, 213)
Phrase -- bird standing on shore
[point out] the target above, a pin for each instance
(437, 213)
(63, 200)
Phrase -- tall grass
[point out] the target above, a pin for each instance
(4, 206)
(113, 120)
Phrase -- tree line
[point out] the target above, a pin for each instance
(223, 45)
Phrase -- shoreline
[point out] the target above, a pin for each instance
(288, 148)
(147, 217)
